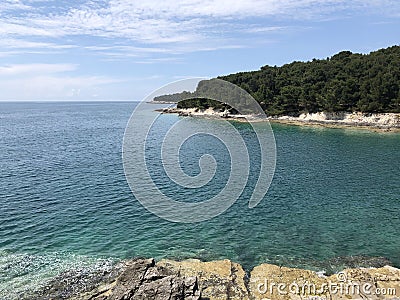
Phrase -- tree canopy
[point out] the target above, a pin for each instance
(344, 82)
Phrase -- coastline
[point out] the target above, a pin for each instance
(378, 122)
(223, 279)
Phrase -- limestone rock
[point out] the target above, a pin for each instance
(218, 280)
(368, 283)
(273, 282)
(142, 279)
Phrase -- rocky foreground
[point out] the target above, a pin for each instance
(193, 279)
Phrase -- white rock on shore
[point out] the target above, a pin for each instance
(375, 121)
(389, 120)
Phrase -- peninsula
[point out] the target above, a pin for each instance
(347, 89)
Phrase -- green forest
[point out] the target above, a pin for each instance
(344, 82)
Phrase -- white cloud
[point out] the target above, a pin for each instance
(47, 81)
(170, 21)
(159, 60)
(258, 29)
(8, 5)
(158, 54)
(182, 9)
(52, 87)
(150, 30)
(29, 69)
(20, 46)
(27, 44)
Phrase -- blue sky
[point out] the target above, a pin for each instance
(124, 49)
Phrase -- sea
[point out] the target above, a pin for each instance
(65, 203)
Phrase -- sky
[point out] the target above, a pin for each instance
(125, 49)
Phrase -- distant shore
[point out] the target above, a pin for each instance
(382, 122)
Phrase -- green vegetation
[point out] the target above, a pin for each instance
(343, 82)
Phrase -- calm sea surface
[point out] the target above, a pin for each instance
(65, 203)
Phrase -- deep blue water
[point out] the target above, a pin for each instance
(65, 202)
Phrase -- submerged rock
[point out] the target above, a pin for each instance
(73, 283)
(335, 264)
(356, 261)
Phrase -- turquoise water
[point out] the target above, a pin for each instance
(65, 202)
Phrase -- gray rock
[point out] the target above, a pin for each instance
(133, 279)
(142, 279)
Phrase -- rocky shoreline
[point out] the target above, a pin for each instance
(376, 122)
(216, 280)
(386, 122)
